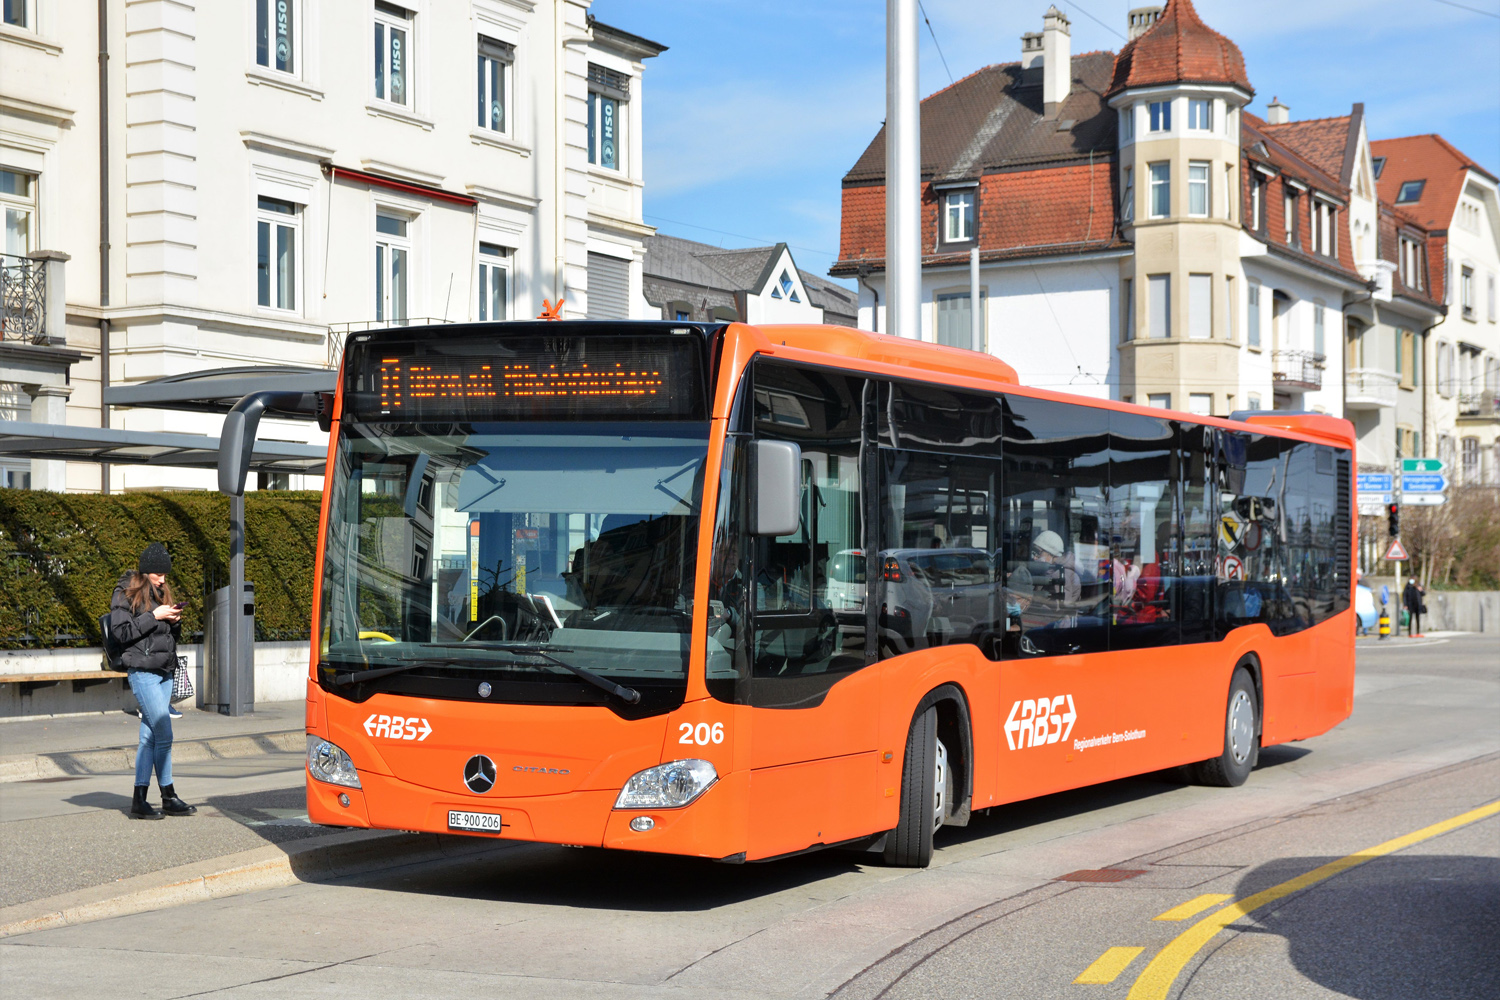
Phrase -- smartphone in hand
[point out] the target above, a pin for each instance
(180, 605)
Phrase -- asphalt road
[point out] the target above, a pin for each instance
(1414, 917)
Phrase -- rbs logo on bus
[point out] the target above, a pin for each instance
(1040, 721)
(396, 727)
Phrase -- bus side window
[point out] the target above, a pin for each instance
(1145, 550)
(1199, 534)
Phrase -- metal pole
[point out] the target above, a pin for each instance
(903, 172)
(976, 310)
(236, 604)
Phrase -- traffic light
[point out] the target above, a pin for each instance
(1393, 515)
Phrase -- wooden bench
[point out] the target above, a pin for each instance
(82, 679)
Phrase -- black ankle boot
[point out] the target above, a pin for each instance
(139, 807)
(172, 805)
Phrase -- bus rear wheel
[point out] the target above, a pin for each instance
(1241, 738)
(926, 785)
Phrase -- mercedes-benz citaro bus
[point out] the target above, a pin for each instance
(738, 592)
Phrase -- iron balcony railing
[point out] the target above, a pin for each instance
(1478, 404)
(1297, 369)
(23, 299)
(339, 332)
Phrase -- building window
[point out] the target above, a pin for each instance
(1325, 239)
(1319, 318)
(1159, 400)
(1444, 357)
(1159, 305)
(494, 283)
(958, 216)
(1252, 314)
(1468, 216)
(1127, 123)
(393, 72)
(18, 199)
(1201, 404)
(20, 14)
(1231, 305)
(1377, 166)
(1289, 206)
(1356, 339)
(1253, 401)
(1258, 202)
(1127, 197)
(276, 227)
(788, 287)
(955, 321)
(1161, 190)
(1230, 194)
(1198, 189)
(494, 64)
(1407, 360)
(1161, 116)
(608, 89)
(1201, 115)
(392, 267)
(1410, 264)
(1127, 305)
(1411, 191)
(1200, 306)
(1408, 443)
(275, 33)
(1470, 460)
(1489, 285)
(1466, 291)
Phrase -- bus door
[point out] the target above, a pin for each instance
(815, 707)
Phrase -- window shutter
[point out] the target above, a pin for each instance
(609, 287)
(491, 48)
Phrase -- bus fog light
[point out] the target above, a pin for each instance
(328, 762)
(667, 786)
(641, 824)
(344, 799)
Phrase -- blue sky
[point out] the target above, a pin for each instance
(759, 107)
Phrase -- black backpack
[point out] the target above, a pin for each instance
(112, 650)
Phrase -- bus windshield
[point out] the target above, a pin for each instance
(453, 550)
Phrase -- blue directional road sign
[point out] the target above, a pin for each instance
(1375, 482)
(1424, 483)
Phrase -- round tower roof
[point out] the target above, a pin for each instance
(1179, 48)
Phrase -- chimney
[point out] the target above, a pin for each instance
(1057, 61)
(1141, 20)
(1277, 113)
(1031, 50)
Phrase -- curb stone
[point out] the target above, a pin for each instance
(337, 855)
(30, 767)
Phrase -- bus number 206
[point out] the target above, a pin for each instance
(702, 734)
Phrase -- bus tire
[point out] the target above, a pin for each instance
(1241, 737)
(909, 845)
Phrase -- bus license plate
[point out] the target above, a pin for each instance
(478, 822)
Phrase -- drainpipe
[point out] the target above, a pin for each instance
(104, 224)
(864, 272)
(560, 167)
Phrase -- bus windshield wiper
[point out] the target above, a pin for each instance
(360, 676)
(629, 695)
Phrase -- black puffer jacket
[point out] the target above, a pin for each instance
(147, 643)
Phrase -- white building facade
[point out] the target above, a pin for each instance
(272, 174)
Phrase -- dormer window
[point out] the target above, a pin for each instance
(1200, 115)
(1377, 166)
(958, 216)
(1411, 191)
(1161, 116)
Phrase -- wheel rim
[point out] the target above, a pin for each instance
(1241, 727)
(939, 787)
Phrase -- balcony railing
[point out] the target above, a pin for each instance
(1370, 388)
(339, 332)
(23, 299)
(1478, 404)
(1300, 370)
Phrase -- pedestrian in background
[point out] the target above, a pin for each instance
(1413, 596)
(146, 625)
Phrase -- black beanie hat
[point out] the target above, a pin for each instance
(155, 559)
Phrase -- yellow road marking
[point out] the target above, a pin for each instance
(1157, 978)
(1193, 907)
(1108, 966)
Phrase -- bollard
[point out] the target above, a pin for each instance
(1385, 623)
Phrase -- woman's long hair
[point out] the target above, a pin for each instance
(144, 597)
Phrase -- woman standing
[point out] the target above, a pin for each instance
(146, 625)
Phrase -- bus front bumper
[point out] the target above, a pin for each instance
(712, 826)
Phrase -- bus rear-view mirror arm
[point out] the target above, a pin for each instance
(237, 439)
(778, 488)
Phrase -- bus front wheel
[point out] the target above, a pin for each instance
(926, 784)
(1241, 737)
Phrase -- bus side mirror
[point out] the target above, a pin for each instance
(778, 488)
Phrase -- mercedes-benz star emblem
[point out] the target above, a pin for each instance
(484, 689)
(479, 774)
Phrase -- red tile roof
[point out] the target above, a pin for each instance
(1429, 158)
(1179, 48)
(1324, 142)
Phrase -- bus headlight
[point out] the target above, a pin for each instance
(327, 762)
(667, 786)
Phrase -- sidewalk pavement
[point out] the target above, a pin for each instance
(106, 741)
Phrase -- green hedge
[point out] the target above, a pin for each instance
(62, 553)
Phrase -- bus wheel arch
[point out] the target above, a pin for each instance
(1240, 735)
(1250, 662)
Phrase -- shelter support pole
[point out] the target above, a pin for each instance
(236, 606)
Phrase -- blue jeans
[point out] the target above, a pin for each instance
(153, 693)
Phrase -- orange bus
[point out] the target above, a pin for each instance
(739, 592)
